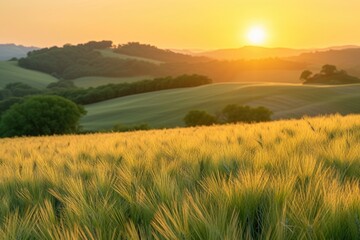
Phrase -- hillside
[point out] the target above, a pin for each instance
(8, 51)
(167, 108)
(101, 59)
(10, 72)
(294, 179)
(85, 82)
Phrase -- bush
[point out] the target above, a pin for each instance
(234, 113)
(199, 118)
(123, 128)
(41, 115)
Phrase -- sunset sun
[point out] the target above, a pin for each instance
(256, 35)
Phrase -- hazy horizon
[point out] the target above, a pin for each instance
(180, 24)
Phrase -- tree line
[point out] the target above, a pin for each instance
(106, 92)
(231, 113)
(70, 62)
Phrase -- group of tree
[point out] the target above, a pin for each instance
(17, 89)
(74, 61)
(232, 113)
(41, 115)
(329, 74)
(70, 62)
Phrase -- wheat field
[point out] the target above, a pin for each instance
(296, 179)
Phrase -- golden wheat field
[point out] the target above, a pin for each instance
(297, 179)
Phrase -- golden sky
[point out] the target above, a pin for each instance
(190, 24)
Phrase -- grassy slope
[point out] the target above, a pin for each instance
(110, 53)
(10, 72)
(86, 82)
(167, 108)
(281, 180)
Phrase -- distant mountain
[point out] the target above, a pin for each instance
(255, 52)
(8, 51)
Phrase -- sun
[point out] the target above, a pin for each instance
(256, 35)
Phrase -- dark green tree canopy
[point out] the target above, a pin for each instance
(328, 69)
(41, 115)
(233, 113)
(199, 118)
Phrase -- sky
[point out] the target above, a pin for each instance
(181, 24)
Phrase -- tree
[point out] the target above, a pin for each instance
(199, 118)
(328, 69)
(41, 115)
(234, 113)
(305, 75)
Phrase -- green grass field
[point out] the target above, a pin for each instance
(86, 82)
(167, 108)
(10, 72)
(110, 53)
(297, 179)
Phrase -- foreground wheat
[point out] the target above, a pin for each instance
(282, 180)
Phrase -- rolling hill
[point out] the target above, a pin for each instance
(8, 51)
(85, 82)
(167, 108)
(10, 72)
(343, 58)
(257, 52)
(251, 52)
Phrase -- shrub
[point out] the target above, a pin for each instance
(199, 118)
(41, 115)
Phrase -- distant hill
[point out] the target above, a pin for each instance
(255, 52)
(343, 58)
(251, 52)
(8, 51)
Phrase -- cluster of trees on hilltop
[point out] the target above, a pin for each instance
(70, 62)
(329, 74)
(232, 113)
(152, 52)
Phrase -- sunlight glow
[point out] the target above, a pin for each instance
(256, 35)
